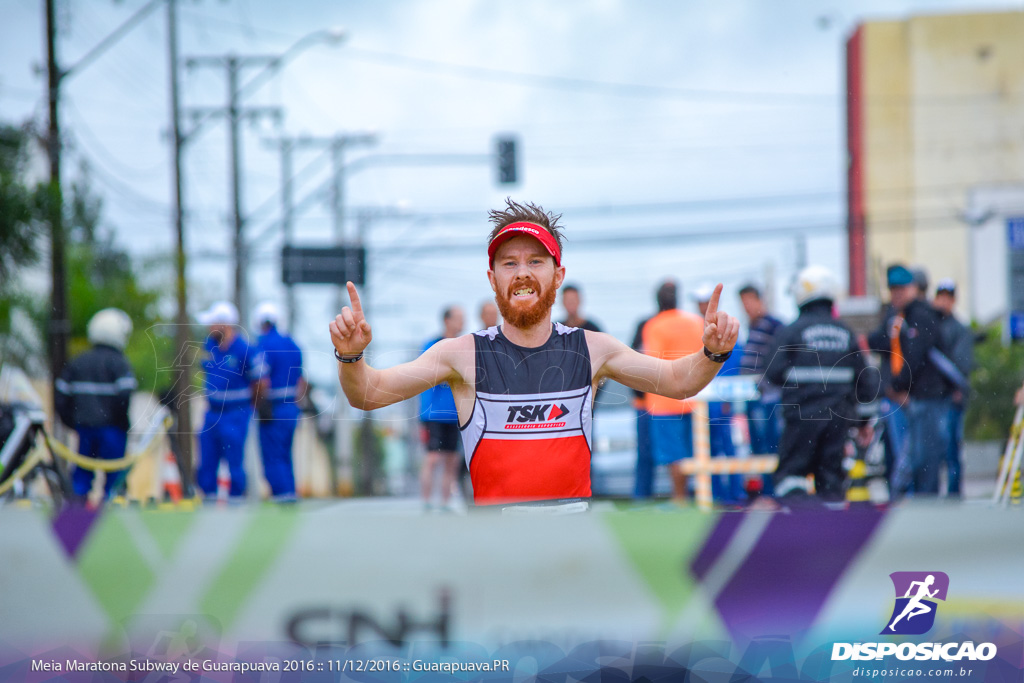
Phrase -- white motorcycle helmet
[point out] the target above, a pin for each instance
(111, 326)
(814, 283)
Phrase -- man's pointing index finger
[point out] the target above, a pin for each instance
(712, 312)
(353, 297)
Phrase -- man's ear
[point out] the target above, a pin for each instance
(559, 276)
(490, 278)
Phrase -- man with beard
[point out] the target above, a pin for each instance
(523, 390)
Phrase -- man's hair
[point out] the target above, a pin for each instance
(449, 312)
(570, 288)
(667, 296)
(750, 289)
(529, 213)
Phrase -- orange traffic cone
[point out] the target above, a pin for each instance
(172, 480)
(223, 481)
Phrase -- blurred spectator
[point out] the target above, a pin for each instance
(278, 410)
(232, 374)
(93, 394)
(571, 301)
(913, 337)
(763, 417)
(958, 341)
(891, 409)
(920, 281)
(488, 314)
(820, 367)
(724, 487)
(441, 424)
(643, 485)
(670, 334)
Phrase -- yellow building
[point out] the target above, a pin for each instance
(935, 112)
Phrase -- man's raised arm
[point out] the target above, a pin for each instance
(368, 388)
(680, 378)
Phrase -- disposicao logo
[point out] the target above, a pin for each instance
(914, 615)
(916, 593)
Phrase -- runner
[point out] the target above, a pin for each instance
(523, 390)
(914, 606)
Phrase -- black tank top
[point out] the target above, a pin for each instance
(528, 437)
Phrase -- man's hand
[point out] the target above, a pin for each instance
(720, 329)
(350, 333)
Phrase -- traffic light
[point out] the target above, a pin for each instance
(506, 160)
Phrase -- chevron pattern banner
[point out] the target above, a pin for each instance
(297, 594)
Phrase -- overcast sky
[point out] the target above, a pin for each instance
(665, 131)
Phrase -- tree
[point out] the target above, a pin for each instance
(997, 376)
(20, 232)
(101, 275)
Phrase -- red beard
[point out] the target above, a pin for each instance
(525, 316)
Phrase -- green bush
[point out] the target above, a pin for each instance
(998, 371)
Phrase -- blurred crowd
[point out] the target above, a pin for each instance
(837, 407)
(242, 380)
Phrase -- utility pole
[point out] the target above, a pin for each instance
(181, 378)
(338, 144)
(235, 113)
(801, 251)
(287, 217)
(60, 327)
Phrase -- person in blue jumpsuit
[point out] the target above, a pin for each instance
(232, 372)
(93, 393)
(278, 411)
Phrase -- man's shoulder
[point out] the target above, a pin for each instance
(430, 342)
(600, 342)
(445, 345)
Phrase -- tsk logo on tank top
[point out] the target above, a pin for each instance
(534, 414)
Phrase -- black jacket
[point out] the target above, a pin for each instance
(821, 370)
(958, 341)
(95, 388)
(919, 334)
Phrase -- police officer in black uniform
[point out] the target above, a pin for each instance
(820, 368)
(93, 394)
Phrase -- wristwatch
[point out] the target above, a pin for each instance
(717, 357)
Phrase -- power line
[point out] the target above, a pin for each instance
(552, 81)
(80, 125)
(589, 85)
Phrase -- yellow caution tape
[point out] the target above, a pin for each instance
(95, 464)
(98, 464)
(20, 473)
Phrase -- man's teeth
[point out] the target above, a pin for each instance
(524, 292)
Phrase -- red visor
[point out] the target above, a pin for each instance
(533, 230)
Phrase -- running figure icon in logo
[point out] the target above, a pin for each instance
(919, 591)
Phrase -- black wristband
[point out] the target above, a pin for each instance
(717, 357)
(348, 359)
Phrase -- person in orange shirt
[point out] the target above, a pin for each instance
(672, 334)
